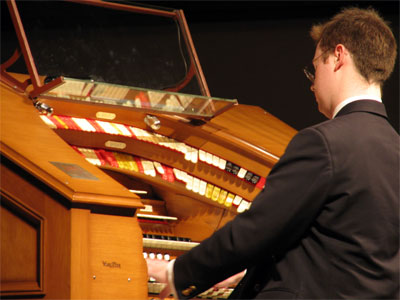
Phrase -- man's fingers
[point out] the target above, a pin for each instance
(157, 269)
(165, 292)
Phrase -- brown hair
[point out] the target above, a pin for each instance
(366, 35)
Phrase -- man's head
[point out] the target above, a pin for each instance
(355, 54)
(367, 37)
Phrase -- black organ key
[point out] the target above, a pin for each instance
(235, 169)
(228, 167)
(255, 179)
(248, 176)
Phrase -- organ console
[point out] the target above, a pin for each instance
(97, 175)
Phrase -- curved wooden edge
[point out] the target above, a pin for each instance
(262, 154)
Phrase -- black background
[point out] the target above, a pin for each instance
(254, 51)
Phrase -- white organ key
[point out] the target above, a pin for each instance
(189, 184)
(158, 138)
(209, 158)
(202, 155)
(153, 138)
(196, 185)
(188, 154)
(185, 176)
(242, 172)
(203, 186)
(181, 147)
(169, 144)
(174, 145)
(159, 167)
(84, 124)
(215, 161)
(90, 156)
(222, 164)
(146, 136)
(237, 200)
(148, 167)
(177, 174)
(123, 129)
(249, 204)
(195, 154)
(48, 122)
(141, 134)
(167, 244)
(107, 127)
(242, 206)
(135, 131)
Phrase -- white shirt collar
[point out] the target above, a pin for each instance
(352, 99)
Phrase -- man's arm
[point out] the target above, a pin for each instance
(295, 192)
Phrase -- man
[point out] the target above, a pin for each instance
(327, 223)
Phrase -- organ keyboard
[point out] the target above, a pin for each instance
(144, 172)
(167, 242)
(198, 182)
(115, 159)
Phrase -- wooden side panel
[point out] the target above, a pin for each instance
(35, 244)
(117, 265)
(22, 247)
(107, 259)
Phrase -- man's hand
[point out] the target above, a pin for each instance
(157, 269)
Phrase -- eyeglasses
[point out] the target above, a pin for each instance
(310, 75)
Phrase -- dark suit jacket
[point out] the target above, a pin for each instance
(325, 226)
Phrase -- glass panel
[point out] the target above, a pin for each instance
(139, 98)
(106, 45)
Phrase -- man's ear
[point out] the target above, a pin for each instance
(339, 56)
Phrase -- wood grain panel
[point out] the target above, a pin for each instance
(22, 248)
(117, 266)
(42, 204)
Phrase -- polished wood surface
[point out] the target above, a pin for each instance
(22, 233)
(62, 237)
(107, 260)
(35, 235)
(103, 252)
(26, 141)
